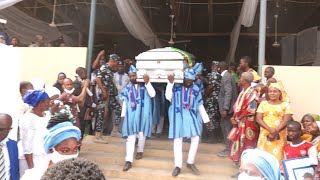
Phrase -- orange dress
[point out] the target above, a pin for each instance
(272, 116)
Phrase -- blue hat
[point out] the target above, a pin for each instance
(190, 74)
(198, 68)
(59, 133)
(34, 97)
(132, 69)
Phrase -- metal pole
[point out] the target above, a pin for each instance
(262, 34)
(91, 36)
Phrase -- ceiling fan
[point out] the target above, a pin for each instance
(171, 42)
(53, 24)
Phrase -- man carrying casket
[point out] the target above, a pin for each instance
(186, 114)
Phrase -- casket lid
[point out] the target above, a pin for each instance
(167, 53)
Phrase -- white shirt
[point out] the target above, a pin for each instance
(121, 84)
(6, 157)
(32, 131)
(202, 111)
(20, 111)
(34, 173)
(151, 92)
(121, 81)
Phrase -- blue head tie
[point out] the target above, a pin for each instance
(266, 163)
(34, 97)
(190, 74)
(198, 68)
(59, 133)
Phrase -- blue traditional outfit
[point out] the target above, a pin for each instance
(198, 68)
(137, 114)
(186, 114)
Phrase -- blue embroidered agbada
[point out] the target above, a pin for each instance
(198, 68)
(184, 116)
(200, 85)
(138, 117)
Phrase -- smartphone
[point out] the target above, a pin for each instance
(277, 137)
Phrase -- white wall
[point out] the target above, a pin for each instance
(302, 84)
(47, 62)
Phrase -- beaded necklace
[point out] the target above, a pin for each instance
(183, 98)
(133, 97)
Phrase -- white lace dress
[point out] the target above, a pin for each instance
(32, 130)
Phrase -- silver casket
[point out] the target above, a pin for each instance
(159, 63)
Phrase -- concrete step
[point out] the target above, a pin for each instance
(162, 163)
(157, 162)
(154, 144)
(155, 153)
(138, 173)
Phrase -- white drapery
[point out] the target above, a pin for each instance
(246, 18)
(136, 23)
(25, 27)
(7, 3)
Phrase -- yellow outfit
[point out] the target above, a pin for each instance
(272, 116)
(256, 76)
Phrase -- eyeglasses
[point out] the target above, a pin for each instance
(5, 129)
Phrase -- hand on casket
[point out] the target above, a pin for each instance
(146, 78)
(209, 126)
(171, 78)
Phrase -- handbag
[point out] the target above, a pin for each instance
(232, 136)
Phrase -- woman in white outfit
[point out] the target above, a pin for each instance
(32, 131)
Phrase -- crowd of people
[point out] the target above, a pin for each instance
(230, 104)
(39, 41)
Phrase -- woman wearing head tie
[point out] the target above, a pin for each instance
(60, 142)
(273, 116)
(32, 130)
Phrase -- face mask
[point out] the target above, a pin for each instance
(245, 176)
(57, 157)
(69, 91)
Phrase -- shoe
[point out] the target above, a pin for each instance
(176, 171)
(115, 132)
(139, 155)
(224, 153)
(99, 138)
(158, 135)
(127, 166)
(193, 168)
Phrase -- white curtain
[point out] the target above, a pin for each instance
(25, 27)
(246, 18)
(134, 20)
(7, 3)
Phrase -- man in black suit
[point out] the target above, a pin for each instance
(227, 97)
